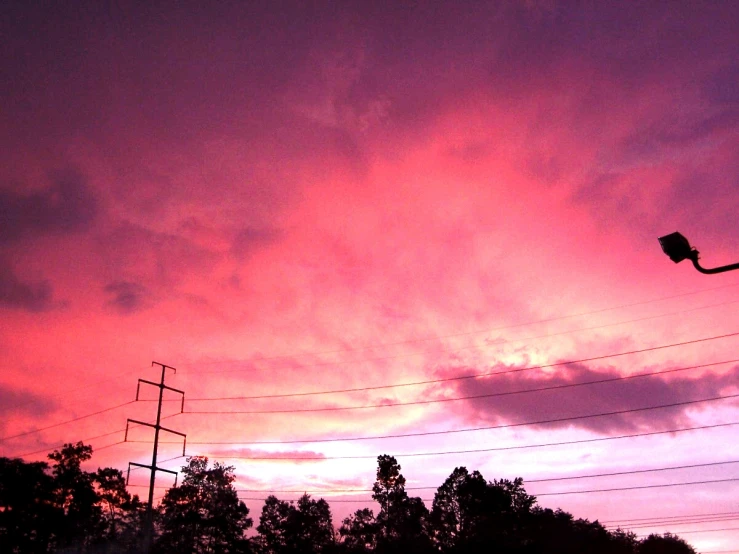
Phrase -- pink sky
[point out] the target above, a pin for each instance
(284, 200)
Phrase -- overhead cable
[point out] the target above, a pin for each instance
(482, 331)
(501, 426)
(469, 397)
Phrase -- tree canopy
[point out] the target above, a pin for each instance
(293, 528)
(204, 514)
(59, 507)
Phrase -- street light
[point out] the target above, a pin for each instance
(678, 249)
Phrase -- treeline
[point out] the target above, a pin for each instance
(58, 507)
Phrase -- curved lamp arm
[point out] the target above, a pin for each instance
(677, 247)
(711, 270)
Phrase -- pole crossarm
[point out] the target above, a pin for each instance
(183, 435)
(164, 366)
(161, 386)
(128, 473)
(158, 385)
(159, 427)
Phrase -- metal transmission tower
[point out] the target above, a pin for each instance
(157, 427)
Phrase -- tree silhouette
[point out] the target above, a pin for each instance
(402, 520)
(273, 524)
(66, 510)
(122, 514)
(453, 507)
(305, 527)
(312, 518)
(75, 497)
(204, 514)
(359, 532)
(664, 544)
(468, 511)
(26, 506)
(557, 532)
(389, 487)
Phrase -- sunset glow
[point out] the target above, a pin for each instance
(343, 200)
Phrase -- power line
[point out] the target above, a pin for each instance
(501, 426)
(452, 431)
(99, 448)
(710, 530)
(161, 461)
(638, 487)
(46, 449)
(612, 489)
(3, 439)
(679, 522)
(57, 445)
(634, 471)
(500, 328)
(528, 481)
(378, 387)
(410, 384)
(119, 377)
(641, 487)
(411, 354)
(471, 397)
(76, 389)
(543, 366)
(341, 408)
(662, 518)
(554, 387)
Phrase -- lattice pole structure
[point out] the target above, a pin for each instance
(149, 531)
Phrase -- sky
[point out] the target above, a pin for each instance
(280, 198)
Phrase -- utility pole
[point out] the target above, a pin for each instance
(149, 531)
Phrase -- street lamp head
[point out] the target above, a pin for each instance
(676, 247)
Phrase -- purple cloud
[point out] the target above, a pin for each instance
(127, 297)
(14, 401)
(18, 294)
(572, 401)
(67, 205)
(250, 238)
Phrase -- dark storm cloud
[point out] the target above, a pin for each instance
(13, 400)
(18, 294)
(723, 86)
(134, 250)
(126, 297)
(631, 42)
(66, 205)
(590, 399)
(250, 238)
(707, 193)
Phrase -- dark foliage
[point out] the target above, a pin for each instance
(26, 506)
(402, 523)
(359, 532)
(288, 528)
(61, 508)
(664, 544)
(204, 514)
